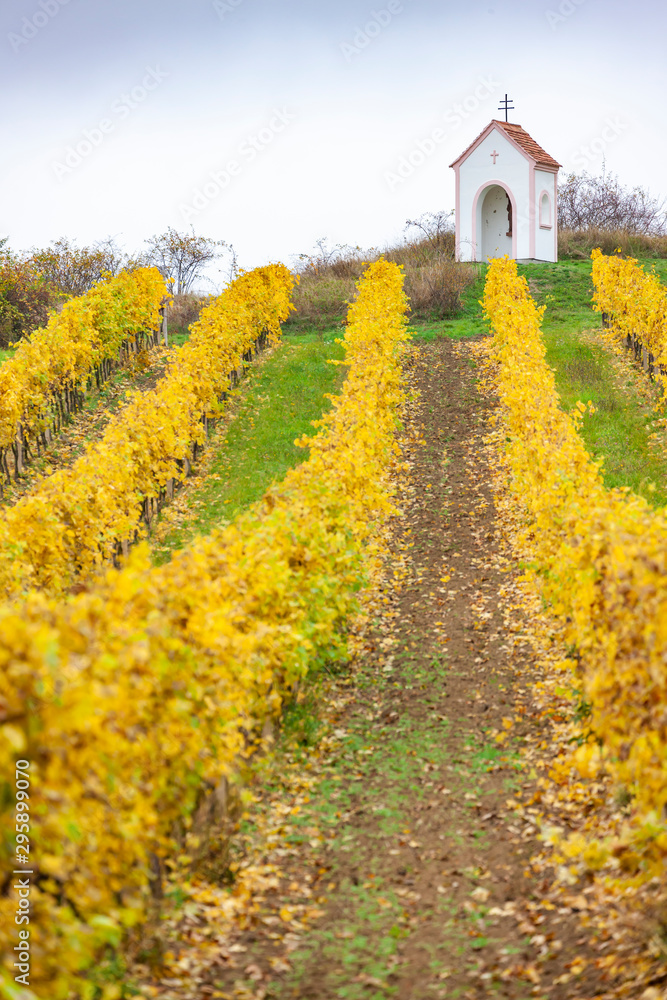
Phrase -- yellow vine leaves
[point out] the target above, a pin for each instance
(634, 302)
(600, 557)
(133, 699)
(87, 330)
(73, 521)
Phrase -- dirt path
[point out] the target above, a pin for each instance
(392, 864)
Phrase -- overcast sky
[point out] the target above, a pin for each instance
(271, 123)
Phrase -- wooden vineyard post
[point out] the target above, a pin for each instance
(19, 467)
(165, 333)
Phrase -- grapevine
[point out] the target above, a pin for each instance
(133, 700)
(600, 558)
(86, 515)
(44, 382)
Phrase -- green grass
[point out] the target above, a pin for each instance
(178, 337)
(379, 770)
(5, 355)
(619, 431)
(469, 322)
(277, 402)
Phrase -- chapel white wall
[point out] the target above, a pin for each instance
(545, 239)
(511, 170)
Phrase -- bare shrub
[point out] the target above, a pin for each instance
(181, 256)
(327, 280)
(586, 202)
(435, 231)
(322, 299)
(74, 270)
(348, 267)
(576, 244)
(323, 258)
(26, 298)
(185, 310)
(435, 288)
(434, 280)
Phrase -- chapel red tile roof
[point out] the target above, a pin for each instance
(522, 139)
(528, 144)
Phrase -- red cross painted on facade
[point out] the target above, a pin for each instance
(494, 155)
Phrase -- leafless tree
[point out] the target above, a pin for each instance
(116, 260)
(233, 266)
(588, 202)
(181, 256)
(74, 270)
(324, 255)
(434, 227)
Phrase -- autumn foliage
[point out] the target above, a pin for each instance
(634, 305)
(133, 699)
(55, 363)
(26, 298)
(78, 518)
(600, 556)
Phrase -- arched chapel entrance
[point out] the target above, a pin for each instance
(506, 196)
(496, 221)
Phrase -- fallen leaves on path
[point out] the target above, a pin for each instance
(405, 850)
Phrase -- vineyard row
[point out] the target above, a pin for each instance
(44, 383)
(634, 308)
(600, 559)
(85, 515)
(133, 700)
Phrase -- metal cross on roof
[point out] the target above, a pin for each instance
(508, 106)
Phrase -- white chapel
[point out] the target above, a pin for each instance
(506, 197)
